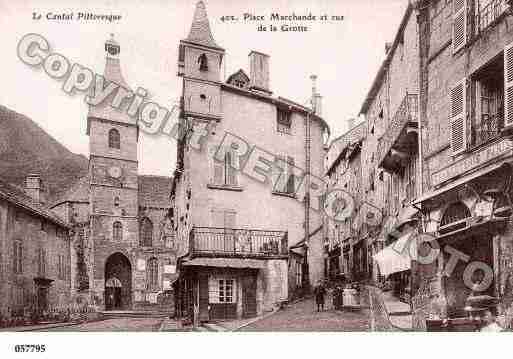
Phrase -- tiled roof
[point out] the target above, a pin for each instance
(200, 29)
(12, 194)
(154, 191)
(78, 192)
(338, 146)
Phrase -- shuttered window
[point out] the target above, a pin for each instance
(17, 257)
(224, 172)
(458, 121)
(508, 85)
(459, 24)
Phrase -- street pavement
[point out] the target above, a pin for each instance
(303, 316)
(113, 325)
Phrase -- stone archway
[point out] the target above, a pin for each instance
(118, 282)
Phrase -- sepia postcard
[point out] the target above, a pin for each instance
(254, 166)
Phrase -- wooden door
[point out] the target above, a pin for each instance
(249, 306)
(203, 298)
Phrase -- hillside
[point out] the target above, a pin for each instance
(27, 148)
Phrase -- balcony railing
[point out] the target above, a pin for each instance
(396, 135)
(488, 129)
(487, 14)
(238, 242)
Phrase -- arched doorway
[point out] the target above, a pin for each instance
(118, 282)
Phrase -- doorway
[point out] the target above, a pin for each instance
(118, 282)
(249, 305)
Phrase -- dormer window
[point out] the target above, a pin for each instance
(203, 62)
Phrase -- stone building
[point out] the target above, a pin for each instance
(376, 163)
(235, 223)
(344, 172)
(466, 119)
(35, 267)
(124, 254)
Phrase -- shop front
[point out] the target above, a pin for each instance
(465, 219)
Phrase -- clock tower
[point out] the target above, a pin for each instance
(113, 181)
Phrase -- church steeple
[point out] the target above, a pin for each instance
(200, 29)
(111, 73)
(112, 70)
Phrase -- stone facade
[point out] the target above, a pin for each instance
(447, 64)
(206, 198)
(122, 221)
(35, 267)
(357, 161)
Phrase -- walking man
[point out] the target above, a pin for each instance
(320, 293)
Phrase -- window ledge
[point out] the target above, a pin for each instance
(284, 194)
(225, 187)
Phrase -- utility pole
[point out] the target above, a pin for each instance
(310, 113)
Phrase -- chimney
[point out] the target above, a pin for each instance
(316, 97)
(33, 187)
(388, 46)
(259, 72)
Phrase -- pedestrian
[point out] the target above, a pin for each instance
(319, 293)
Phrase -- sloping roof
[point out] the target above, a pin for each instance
(15, 196)
(78, 192)
(154, 191)
(339, 145)
(111, 73)
(384, 66)
(200, 29)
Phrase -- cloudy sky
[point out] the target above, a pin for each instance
(345, 55)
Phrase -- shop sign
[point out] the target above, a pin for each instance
(474, 160)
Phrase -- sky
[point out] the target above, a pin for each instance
(345, 55)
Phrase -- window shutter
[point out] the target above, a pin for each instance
(290, 181)
(218, 169)
(458, 120)
(217, 219)
(231, 175)
(229, 219)
(459, 24)
(508, 85)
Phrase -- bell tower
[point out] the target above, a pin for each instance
(113, 167)
(199, 63)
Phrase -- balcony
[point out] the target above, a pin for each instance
(488, 13)
(489, 129)
(400, 139)
(227, 242)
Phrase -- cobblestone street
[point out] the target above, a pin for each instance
(302, 316)
(114, 325)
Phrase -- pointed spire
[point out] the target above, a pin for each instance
(112, 65)
(200, 29)
(112, 73)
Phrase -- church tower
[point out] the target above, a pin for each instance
(199, 63)
(113, 166)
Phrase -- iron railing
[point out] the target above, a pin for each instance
(234, 242)
(488, 129)
(406, 113)
(488, 13)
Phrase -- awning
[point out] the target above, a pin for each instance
(459, 182)
(226, 262)
(396, 257)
